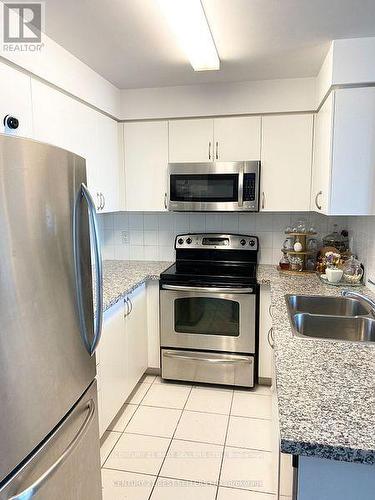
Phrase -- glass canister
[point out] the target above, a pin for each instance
(336, 240)
(296, 263)
(353, 271)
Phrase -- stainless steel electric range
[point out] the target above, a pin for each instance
(209, 309)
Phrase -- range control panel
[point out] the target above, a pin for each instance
(216, 241)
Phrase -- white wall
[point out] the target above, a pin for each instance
(59, 67)
(218, 99)
(151, 235)
(362, 232)
(353, 61)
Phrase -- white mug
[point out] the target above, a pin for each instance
(334, 275)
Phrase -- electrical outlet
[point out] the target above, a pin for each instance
(124, 237)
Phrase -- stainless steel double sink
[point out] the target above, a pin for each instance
(338, 318)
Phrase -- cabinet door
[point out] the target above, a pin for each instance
(146, 161)
(113, 366)
(66, 123)
(191, 141)
(353, 153)
(136, 329)
(286, 163)
(237, 138)
(321, 171)
(107, 162)
(15, 100)
(265, 324)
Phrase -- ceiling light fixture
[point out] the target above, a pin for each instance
(189, 23)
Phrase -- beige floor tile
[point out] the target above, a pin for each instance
(232, 494)
(138, 394)
(135, 453)
(108, 441)
(251, 433)
(249, 469)
(210, 400)
(166, 396)
(159, 380)
(203, 427)
(118, 485)
(176, 489)
(263, 389)
(251, 405)
(193, 461)
(148, 379)
(123, 418)
(154, 421)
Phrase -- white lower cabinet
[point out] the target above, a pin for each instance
(122, 354)
(265, 325)
(136, 332)
(113, 371)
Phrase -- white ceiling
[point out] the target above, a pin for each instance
(129, 43)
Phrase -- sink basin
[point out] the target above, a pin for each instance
(332, 306)
(358, 329)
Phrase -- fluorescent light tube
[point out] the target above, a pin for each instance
(189, 23)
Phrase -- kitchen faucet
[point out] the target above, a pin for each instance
(360, 296)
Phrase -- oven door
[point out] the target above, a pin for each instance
(216, 319)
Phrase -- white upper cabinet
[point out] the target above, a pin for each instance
(146, 160)
(344, 154)
(15, 100)
(286, 163)
(237, 138)
(191, 141)
(69, 124)
(321, 171)
(219, 139)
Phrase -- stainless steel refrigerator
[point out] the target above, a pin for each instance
(49, 438)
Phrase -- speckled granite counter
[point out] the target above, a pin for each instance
(325, 388)
(121, 277)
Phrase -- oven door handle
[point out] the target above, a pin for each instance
(207, 289)
(208, 360)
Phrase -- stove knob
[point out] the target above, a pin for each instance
(252, 243)
(180, 241)
(243, 242)
(188, 241)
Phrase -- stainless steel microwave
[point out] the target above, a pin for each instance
(220, 186)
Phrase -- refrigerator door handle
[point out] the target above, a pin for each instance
(31, 490)
(98, 319)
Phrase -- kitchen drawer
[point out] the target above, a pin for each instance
(215, 368)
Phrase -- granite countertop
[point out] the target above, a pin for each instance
(325, 388)
(121, 277)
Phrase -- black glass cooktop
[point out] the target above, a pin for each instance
(195, 272)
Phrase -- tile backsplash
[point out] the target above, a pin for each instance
(151, 236)
(362, 233)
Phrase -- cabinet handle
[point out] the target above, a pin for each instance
(263, 199)
(99, 202)
(319, 207)
(217, 150)
(126, 301)
(165, 201)
(209, 150)
(270, 338)
(131, 305)
(103, 202)
(270, 311)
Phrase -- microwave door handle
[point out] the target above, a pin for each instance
(207, 289)
(240, 188)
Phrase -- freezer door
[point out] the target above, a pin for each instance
(44, 364)
(67, 466)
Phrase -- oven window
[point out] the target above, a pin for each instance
(204, 188)
(207, 316)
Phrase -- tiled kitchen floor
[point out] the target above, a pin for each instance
(183, 442)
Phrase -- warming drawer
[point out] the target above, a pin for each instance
(208, 367)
